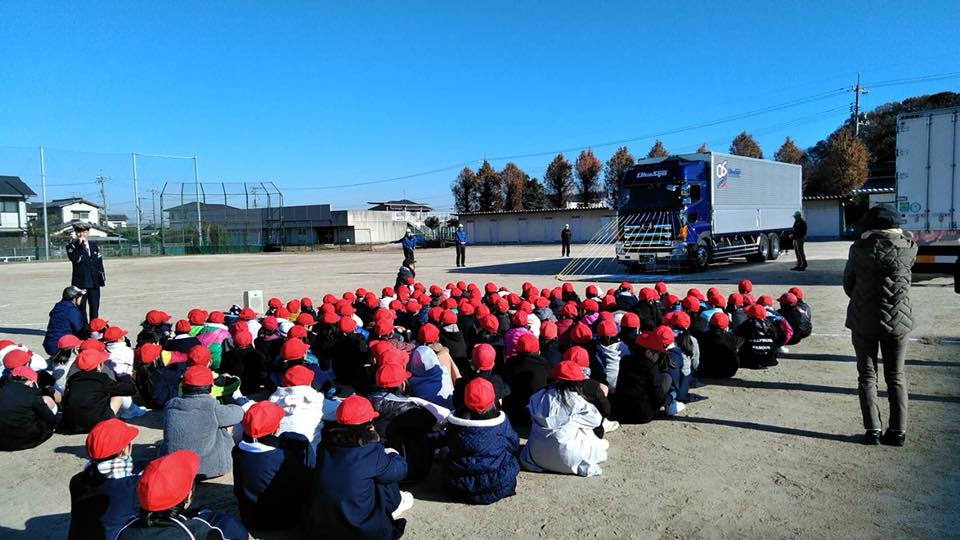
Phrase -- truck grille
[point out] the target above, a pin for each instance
(647, 238)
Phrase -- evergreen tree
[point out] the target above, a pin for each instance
(491, 188)
(790, 153)
(466, 189)
(657, 150)
(558, 181)
(744, 145)
(588, 173)
(513, 181)
(619, 162)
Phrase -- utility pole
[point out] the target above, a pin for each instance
(253, 191)
(101, 179)
(858, 91)
(46, 226)
(153, 204)
(136, 194)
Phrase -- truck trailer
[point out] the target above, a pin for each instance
(928, 147)
(699, 208)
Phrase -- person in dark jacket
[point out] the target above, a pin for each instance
(796, 316)
(157, 381)
(460, 239)
(88, 273)
(65, 318)
(453, 340)
(799, 237)
(880, 316)
(719, 349)
(549, 343)
(525, 373)
(407, 273)
(643, 386)
(408, 243)
(355, 490)
(565, 236)
(481, 466)
(351, 357)
(181, 341)
(734, 310)
(648, 309)
(103, 495)
(155, 328)
(165, 492)
(481, 366)
(91, 395)
(271, 470)
(245, 362)
(27, 417)
(759, 349)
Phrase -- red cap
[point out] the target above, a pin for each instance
(282, 313)
(484, 356)
(109, 437)
(329, 299)
(297, 331)
(788, 299)
(657, 339)
(649, 294)
(796, 291)
(548, 330)
(479, 395)
(592, 290)
(502, 306)
(735, 299)
(238, 327)
(690, 303)
(678, 319)
(569, 310)
(87, 360)
(580, 333)
(384, 314)
(198, 376)
(590, 305)
(660, 287)
(765, 300)
(745, 286)
(606, 329)
(717, 300)
(428, 334)
(626, 286)
(567, 371)
(355, 410)
(215, 317)
(329, 317)
(519, 319)
(68, 341)
(448, 317)
(392, 371)
(270, 323)
(297, 376)
(490, 324)
(293, 306)
(243, 339)
(247, 314)
(293, 349)
(696, 293)
(97, 325)
(383, 327)
(198, 355)
(17, 358)
(167, 480)
(567, 287)
(24, 372)
(274, 303)
(720, 320)
(155, 317)
(92, 345)
(148, 352)
(756, 311)
(528, 343)
(347, 325)
(114, 333)
(306, 319)
(630, 320)
(197, 316)
(490, 288)
(262, 419)
(577, 355)
(182, 327)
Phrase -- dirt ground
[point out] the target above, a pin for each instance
(769, 454)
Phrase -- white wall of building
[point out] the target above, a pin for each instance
(18, 219)
(72, 211)
(534, 227)
(370, 226)
(824, 219)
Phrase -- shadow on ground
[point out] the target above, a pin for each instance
(853, 359)
(39, 527)
(803, 387)
(15, 331)
(769, 428)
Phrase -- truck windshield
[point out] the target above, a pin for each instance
(653, 196)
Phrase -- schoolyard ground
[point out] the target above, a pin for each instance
(768, 454)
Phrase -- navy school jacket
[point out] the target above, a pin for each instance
(270, 480)
(482, 466)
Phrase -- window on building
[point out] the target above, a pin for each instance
(9, 205)
(80, 215)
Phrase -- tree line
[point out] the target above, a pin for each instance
(835, 165)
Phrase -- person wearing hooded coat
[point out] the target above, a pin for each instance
(481, 466)
(303, 407)
(643, 386)
(429, 380)
(759, 349)
(719, 349)
(27, 417)
(525, 373)
(562, 437)
(65, 318)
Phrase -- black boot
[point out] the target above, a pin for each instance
(872, 437)
(893, 438)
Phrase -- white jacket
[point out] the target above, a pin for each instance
(303, 410)
(561, 437)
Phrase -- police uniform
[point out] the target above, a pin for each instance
(88, 272)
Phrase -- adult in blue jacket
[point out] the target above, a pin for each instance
(408, 243)
(356, 491)
(460, 238)
(65, 318)
(481, 466)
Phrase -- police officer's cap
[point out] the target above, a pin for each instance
(80, 227)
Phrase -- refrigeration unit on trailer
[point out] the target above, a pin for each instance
(705, 207)
(928, 196)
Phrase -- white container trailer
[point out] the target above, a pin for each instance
(928, 197)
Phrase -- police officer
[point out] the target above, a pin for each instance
(88, 273)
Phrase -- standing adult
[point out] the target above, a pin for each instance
(799, 236)
(877, 280)
(408, 243)
(88, 271)
(565, 235)
(460, 238)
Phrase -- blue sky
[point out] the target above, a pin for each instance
(313, 95)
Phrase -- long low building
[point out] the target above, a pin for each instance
(534, 226)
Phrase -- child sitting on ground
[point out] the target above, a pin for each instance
(719, 349)
(481, 466)
(91, 395)
(481, 363)
(27, 417)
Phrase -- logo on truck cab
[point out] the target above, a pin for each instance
(723, 174)
(652, 174)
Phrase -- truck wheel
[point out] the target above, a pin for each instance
(700, 257)
(774, 247)
(763, 250)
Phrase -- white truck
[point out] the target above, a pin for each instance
(928, 197)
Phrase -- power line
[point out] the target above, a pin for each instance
(912, 80)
